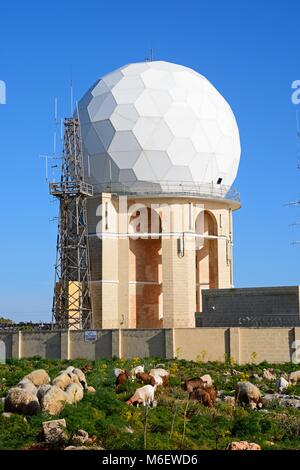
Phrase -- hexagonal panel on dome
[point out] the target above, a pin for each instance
(151, 124)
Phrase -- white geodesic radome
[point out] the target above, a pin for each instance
(160, 124)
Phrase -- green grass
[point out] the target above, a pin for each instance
(172, 425)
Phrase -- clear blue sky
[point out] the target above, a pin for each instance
(248, 49)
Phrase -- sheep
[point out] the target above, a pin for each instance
(294, 377)
(81, 377)
(143, 395)
(62, 380)
(191, 384)
(281, 384)
(74, 393)
(118, 371)
(19, 400)
(135, 370)
(54, 400)
(208, 382)
(206, 396)
(121, 379)
(42, 390)
(247, 393)
(38, 377)
(27, 385)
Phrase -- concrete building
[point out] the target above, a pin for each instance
(161, 149)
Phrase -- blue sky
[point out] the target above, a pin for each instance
(247, 49)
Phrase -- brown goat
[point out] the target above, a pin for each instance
(144, 378)
(121, 379)
(192, 384)
(206, 396)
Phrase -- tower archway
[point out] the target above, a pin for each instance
(206, 255)
(145, 270)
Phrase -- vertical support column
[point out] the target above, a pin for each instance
(235, 350)
(116, 343)
(16, 347)
(110, 275)
(178, 271)
(65, 346)
(170, 343)
(123, 264)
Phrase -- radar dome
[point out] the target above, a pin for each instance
(157, 123)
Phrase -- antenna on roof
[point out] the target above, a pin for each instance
(71, 97)
(150, 58)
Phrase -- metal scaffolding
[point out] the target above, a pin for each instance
(72, 307)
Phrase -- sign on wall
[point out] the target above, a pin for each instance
(90, 336)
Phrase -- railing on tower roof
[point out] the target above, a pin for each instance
(168, 188)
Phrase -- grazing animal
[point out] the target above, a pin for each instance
(74, 393)
(38, 377)
(27, 385)
(118, 371)
(19, 400)
(144, 378)
(208, 382)
(248, 394)
(143, 395)
(159, 372)
(191, 384)
(136, 370)
(294, 377)
(53, 401)
(121, 379)
(203, 396)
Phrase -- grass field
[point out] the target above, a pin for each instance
(174, 424)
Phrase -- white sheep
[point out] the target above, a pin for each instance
(247, 393)
(143, 395)
(19, 400)
(38, 377)
(53, 400)
(294, 377)
(81, 377)
(27, 385)
(74, 393)
(42, 390)
(62, 380)
(281, 384)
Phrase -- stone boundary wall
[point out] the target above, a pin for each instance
(243, 345)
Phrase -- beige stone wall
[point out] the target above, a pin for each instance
(243, 345)
(122, 271)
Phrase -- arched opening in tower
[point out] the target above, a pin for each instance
(145, 270)
(206, 255)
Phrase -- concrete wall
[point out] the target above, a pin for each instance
(206, 344)
(255, 307)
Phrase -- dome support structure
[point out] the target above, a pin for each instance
(72, 307)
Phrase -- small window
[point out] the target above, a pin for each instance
(219, 180)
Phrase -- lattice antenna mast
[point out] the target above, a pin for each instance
(72, 307)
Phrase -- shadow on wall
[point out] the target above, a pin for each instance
(103, 346)
(52, 346)
(156, 345)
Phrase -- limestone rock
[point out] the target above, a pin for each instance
(55, 431)
(243, 445)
